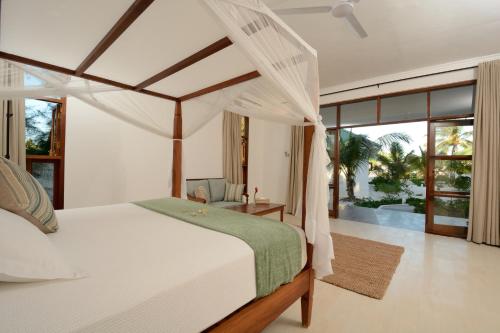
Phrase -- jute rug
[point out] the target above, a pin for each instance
(362, 265)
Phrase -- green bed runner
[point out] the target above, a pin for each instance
(276, 245)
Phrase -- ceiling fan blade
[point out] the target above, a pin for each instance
(353, 21)
(303, 10)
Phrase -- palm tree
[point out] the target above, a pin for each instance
(419, 164)
(451, 138)
(356, 150)
(393, 169)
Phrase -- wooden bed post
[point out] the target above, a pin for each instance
(177, 152)
(306, 300)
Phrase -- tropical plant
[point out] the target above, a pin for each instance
(356, 150)
(454, 139)
(393, 169)
(455, 174)
(38, 121)
(418, 166)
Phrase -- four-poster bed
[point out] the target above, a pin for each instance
(283, 88)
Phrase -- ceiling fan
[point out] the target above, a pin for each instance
(340, 9)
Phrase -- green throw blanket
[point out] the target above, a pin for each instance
(276, 245)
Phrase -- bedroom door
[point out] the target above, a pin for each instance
(449, 177)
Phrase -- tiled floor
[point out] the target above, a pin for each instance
(441, 285)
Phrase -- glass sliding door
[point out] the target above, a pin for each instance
(449, 174)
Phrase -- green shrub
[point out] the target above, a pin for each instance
(370, 203)
(418, 203)
(462, 183)
(453, 208)
(390, 187)
(417, 181)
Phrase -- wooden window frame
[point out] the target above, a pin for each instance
(58, 159)
(334, 211)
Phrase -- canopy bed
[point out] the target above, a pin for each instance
(281, 86)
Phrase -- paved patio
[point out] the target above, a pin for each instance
(392, 218)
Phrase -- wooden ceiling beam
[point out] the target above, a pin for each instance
(132, 13)
(221, 85)
(192, 59)
(67, 71)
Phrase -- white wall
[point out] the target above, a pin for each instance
(109, 161)
(268, 165)
(203, 151)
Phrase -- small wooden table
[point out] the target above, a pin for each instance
(259, 209)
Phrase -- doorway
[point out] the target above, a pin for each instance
(378, 176)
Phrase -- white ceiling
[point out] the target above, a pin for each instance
(402, 35)
(64, 32)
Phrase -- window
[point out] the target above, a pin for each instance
(405, 107)
(453, 101)
(45, 128)
(406, 154)
(329, 115)
(360, 113)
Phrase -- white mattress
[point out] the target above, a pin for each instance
(146, 273)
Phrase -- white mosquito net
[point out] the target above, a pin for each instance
(287, 92)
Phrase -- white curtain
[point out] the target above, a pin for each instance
(11, 78)
(289, 68)
(484, 214)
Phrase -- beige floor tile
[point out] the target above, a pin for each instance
(442, 284)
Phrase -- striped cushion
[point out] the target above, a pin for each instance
(234, 192)
(23, 195)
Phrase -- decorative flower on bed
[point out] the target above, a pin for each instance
(200, 212)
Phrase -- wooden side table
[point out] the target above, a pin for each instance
(260, 209)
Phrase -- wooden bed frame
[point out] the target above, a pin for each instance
(256, 315)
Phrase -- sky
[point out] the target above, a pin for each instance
(416, 130)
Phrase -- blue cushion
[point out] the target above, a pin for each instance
(217, 189)
(192, 185)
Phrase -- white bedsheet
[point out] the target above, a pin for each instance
(146, 273)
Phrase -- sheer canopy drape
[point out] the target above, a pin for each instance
(484, 214)
(289, 67)
(287, 91)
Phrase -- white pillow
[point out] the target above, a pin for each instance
(27, 255)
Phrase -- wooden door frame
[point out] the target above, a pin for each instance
(334, 212)
(432, 157)
(59, 159)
